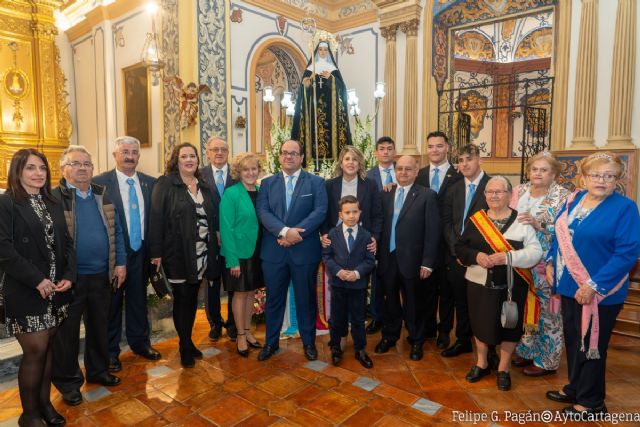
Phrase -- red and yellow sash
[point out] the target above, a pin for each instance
(498, 243)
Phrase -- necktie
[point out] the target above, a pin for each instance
(135, 231)
(219, 182)
(289, 190)
(397, 207)
(389, 178)
(435, 182)
(467, 203)
(350, 239)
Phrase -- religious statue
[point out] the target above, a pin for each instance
(321, 120)
(188, 98)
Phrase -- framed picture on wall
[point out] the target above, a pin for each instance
(137, 103)
(570, 176)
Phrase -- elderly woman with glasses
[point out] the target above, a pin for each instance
(597, 242)
(491, 237)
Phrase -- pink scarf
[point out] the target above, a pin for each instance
(580, 274)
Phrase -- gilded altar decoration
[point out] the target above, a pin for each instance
(16, 84)
(187, 96)
(62, 106)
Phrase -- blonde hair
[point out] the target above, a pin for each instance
(240, 161)
(556, 166)
(601, 158)
(362, 171)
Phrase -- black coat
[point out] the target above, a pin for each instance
(368, 199)
(417, 231)
(207, 175)
(25, 259)
(451, 177)
(173, 229)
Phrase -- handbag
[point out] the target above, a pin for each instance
(160, 284)
(509, 314)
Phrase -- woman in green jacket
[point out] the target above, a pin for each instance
(240, 239)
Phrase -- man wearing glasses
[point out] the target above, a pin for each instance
(291, 207)
(218, 177)
(101, 261)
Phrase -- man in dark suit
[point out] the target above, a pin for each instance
(218, 177)
(439, 175)
(463, 199)
(383, 174)
(291, 206)
(130, 192)
(408, 253)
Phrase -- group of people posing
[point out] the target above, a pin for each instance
(436, 244)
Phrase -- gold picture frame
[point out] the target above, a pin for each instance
(136, 86)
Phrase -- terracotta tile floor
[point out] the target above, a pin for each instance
(227, 390)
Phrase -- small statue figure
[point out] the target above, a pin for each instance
(188, 98)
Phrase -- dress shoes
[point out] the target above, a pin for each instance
(476, 373)
(107, 380)
(364, 359)
(52, 417)
(255, 343)
(570, 410)
(232, 332)
(456, 349)
(30, 420)
(187, 360)
(373, 327)
(384, 345)
(559, 396)
(114, 364)
(521, 362)
(336, 355)
(266, 352)
(72, 398)
(149, 353)
(310, 352)
(416, 352)
(535, 371)
(215, 332)
(442, 341)
(493, 359)
(197, 354)
(503, 380)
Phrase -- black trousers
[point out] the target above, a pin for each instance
(91, 299)
(430, 297)
(457, 285)
(212, 303)
(185, 305)
(411, 291)
(348, 305)
(444, 301)
(377, 297)
(586, 376)
(134, 293)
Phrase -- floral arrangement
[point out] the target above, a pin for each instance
(272, 151)
(259, 302)
(363, 140)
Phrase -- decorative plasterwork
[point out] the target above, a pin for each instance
(171, 110)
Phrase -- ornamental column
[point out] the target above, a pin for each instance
(586, 71)
(390, 102)
(410, 28)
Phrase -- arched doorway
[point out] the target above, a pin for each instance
(279, 64)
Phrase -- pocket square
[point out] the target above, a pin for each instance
(307, 195)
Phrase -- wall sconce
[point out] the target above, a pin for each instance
(152, 55)
(379, 92)
(268, 94)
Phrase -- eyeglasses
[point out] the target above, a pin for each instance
(495, 192)
(607, 177)
(78, 165)
(129, 153)
(219, 150)
(289, 153)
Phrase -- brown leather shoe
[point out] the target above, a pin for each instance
(534, 371)
(521, 362)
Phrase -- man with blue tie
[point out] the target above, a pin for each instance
(218, 177)
(291, 207)
(407, 256)
(384, 176)
(130, 191)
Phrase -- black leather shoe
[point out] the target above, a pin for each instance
(107, 381)
(373, 327)
(493, 360)
(187, 360)
(310, 352)
(503, 379)
(149, 353)
(51, 416)
(559, 396)
(521, 362)
(72, 398)
(197, 354)
(442, 341)
(26, 420)
(364, 359)
(476, 373)
(114, 364)
(456, 349)
(384, 345)
(215, 332)
(570, 410)
(336, 355)
(416, 352)
(266, 352)
(254, 344)
(232, 332)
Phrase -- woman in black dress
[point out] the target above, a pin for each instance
(37, 260)
(240, 238)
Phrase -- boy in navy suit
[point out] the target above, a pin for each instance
(349, 264)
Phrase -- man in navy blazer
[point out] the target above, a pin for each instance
(121, 183)
(291, 207)
(218, 177)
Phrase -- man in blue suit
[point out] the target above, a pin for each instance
(291, 206)
(130, 192)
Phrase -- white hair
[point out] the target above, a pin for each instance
(72, 149)
(507, 184)
(125, 140)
